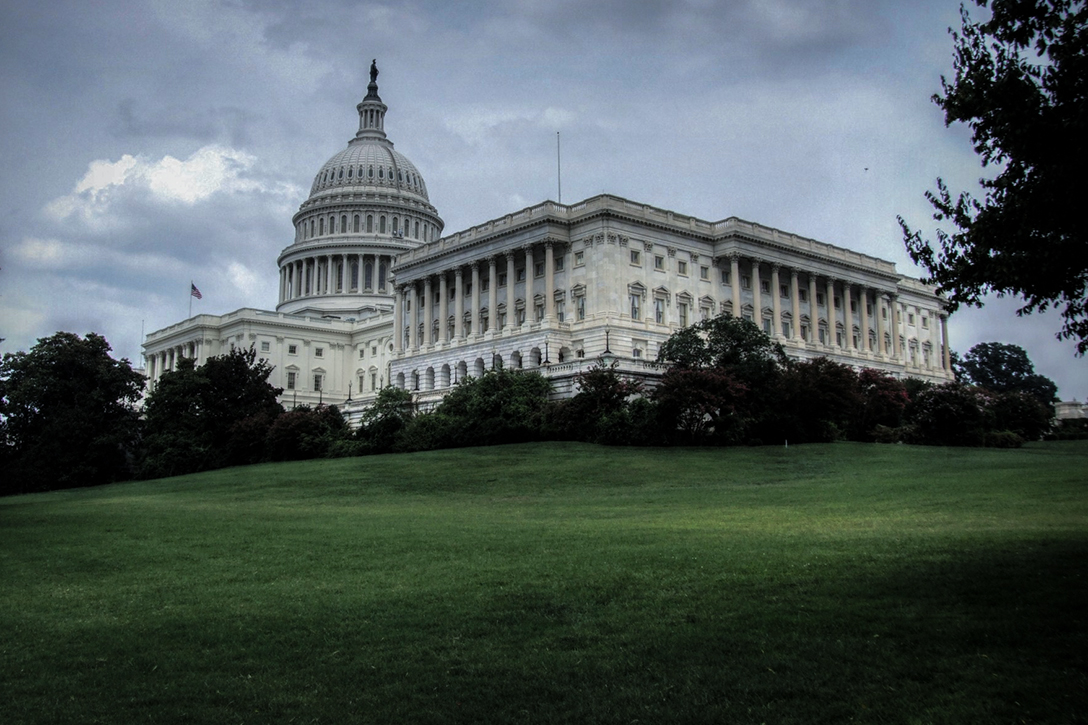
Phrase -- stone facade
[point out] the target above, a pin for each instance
(371, 294)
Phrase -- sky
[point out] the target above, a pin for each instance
(147, 144)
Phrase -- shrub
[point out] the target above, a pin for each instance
(1002, 439)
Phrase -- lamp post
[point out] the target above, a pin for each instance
(607, 345)
(546, 360)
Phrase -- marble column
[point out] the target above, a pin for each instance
(492, 294)
(511, 297)
(549, 282)
(757, 296)
(398, 320)
(776, 302)
(895, 328)
(947, 353)
(878, 310)
(829, 298)
(795, 296)
(443, 308)
(476, 298)
(428, 313)
(413, 317)
(734, 282)
(863, 300)
(530, 304)
(459, 304)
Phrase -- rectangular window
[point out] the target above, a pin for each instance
(725, 276)
(820, 300)
(704, 273)
(802, 295)
(784, 291)
(317, 382)
(538, 269)
(785, 329)
(683, 314)
(659, 311)
(636, 257)
(764, 286)
(767, 325)
(362, 352)
(579, 259)
(319, 352)
(373, 381)
(468, 291)
(636, 353)
(745, 282)
(374, 351)
(704, 313)
(521, 317)
(485, 284)
(290, 380)
(292, 349)
(838, 302)
(659, 262)
(910, 318)
(502, 279)
(560, 310)
(681, 266)
(823, 336)
(636, 313)
(559, 264)
(925, 321)
(804, 332)
(539, 313)
(838, 338)
(266, 346)
(580, 307)
(521, 274)
(868, 309)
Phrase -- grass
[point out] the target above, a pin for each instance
(559, 583)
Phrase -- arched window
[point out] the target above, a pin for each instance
(321, 225)
(370, 172)
(355, 275)
(395, 227)
(311, 227)
(355, 224)
(341, 173)
(350, 170)
(343, 223)
(416, 235)
(368, 276)
(381, 173)
(370, 222)
(381, 224)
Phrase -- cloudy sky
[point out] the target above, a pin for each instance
(147, 143)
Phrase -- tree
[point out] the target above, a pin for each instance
(67, 414)
(1021, 84)
(386, 417)
(193, 414)
(1002, 368)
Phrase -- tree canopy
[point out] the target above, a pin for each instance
(1002, 368)
(1021, 84)
(67, 415)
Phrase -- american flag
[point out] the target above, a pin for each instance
(195, 292)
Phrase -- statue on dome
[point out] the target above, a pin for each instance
(374, 71)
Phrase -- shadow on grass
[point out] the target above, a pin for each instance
(972, 635)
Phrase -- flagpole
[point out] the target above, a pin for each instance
(190, 298)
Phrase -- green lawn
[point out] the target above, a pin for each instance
(559, 583)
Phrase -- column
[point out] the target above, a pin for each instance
(895, 328)
(734, 282)
(795, 331)
(757, 295)
(492, 295)
(776, 302)
(443, 308)
(549, 282)
(428, 313)
(475, 298)
(863, 300)
(529, 304)
(830, 300)
(398, 320)
(297, 271)
(947, 361)
(459, 304)
(328, 275)
(413, 316)
(343, 273)
(813, 310)
(878, 309)
(847, 318)
(511, 298)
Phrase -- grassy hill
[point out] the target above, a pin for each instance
(559, 583)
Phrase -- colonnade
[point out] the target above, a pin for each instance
(418, 295)
(167, 359)
(327, 274)
(888, 331)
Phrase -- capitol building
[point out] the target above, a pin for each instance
(371, 293)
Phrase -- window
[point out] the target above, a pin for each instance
(725, 276)
(290, 380)
(925, 321)
(704, 273)
(319, 352)
(764, 286)
(485, 284)
(580, 308)
(266, 346)
(437, 297)
(802, 295)
(820, 300)
(910, 319)
(468, 289)
(683, 314)
(823, 335)
(559, 264)
(784, 291)
(579, 259)
(785, 328)
(681, 266)
(838, 302)
(804, 332)
(538, 269)
(745, 282)
(659, 311)
(373, 381)
(636, 353)
(317, 382)
(292, 349)
(362, 352)
(636, 312)
(502, 279)
(521, 275)
(659, 262)
(636, 257)
(767, 325)
(373, 350)
(560, 310)
(540, 312)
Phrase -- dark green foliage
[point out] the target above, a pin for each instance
(1020, 413)
(700, 405)
(1002, 368)
(67, 414)
(391, 411)
(194, 416)
(883, 402)
(599, 412)
(818, 400)
(501, 406)
(305, 433)
(952, 414)
(1021, 84)
(1074, 429)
